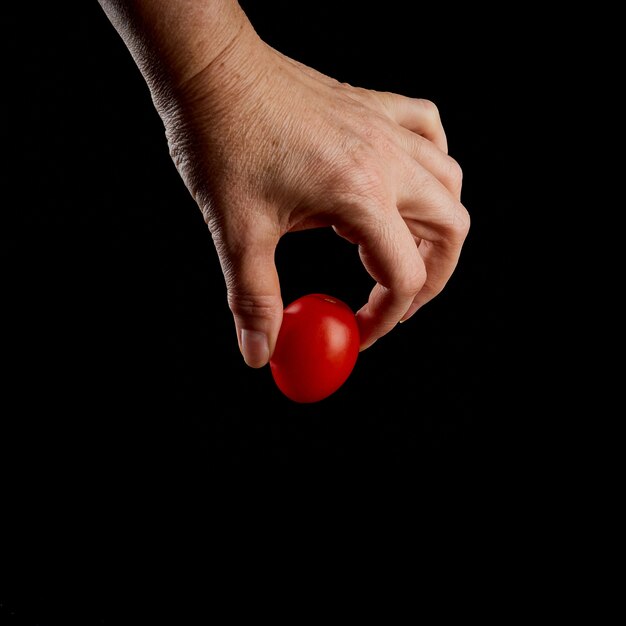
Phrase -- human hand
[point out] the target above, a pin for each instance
(268, 146)
(283, 148)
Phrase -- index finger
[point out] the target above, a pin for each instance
(389, 254)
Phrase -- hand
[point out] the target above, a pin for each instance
(285, 148)
(268, 146)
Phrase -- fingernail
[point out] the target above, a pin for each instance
(367, 345)
(254, 348)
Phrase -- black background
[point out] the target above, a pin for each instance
(128, 415)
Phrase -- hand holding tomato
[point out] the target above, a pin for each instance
(268, 146)
(316, 349)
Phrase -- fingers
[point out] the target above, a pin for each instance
(432, 208)
(253, 290)
(439, 224)
(418, 274)
(439, 261)
(409, 245)
(416, 128)
(430, 157)
(390, 256)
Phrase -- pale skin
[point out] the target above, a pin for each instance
(268, 146)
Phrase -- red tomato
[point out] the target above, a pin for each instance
(317, 348)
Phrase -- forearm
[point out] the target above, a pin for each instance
(173, 40)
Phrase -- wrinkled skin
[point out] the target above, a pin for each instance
(268, 146)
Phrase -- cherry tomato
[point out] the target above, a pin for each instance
(316, 349)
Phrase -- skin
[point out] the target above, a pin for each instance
(268, 146)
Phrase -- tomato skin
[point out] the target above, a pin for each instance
(317, 348)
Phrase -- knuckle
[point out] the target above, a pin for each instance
(451, 225)
(408, 284)
(463, 221)
(454, 175)
(455, 171)
(431, 109)
(457, 226)
(265, 307)
(408, 279)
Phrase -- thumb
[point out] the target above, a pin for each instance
(254, 298)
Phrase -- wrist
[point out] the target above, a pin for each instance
(173, 41)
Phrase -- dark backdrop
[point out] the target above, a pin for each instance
(124, 398)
